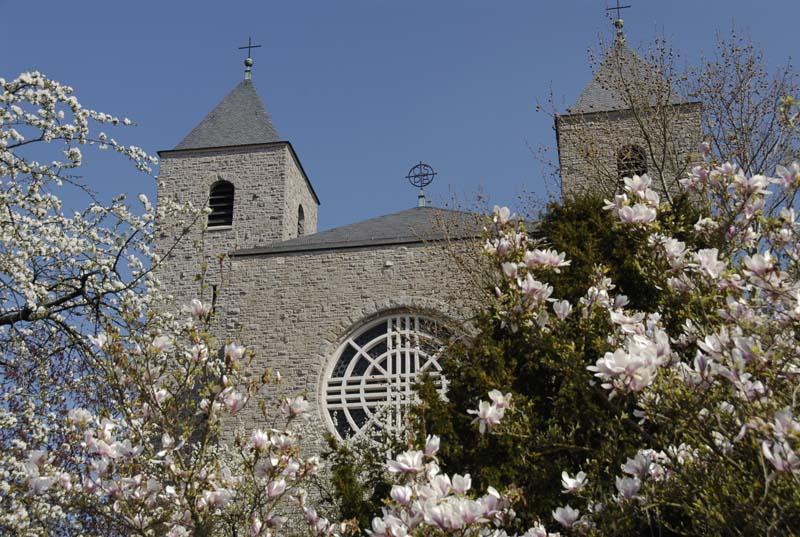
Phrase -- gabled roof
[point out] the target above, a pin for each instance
(621, 64)
(420, 224)
(240, 119)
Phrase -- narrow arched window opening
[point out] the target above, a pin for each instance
(301, 221)
(220, 201)
(631, 160)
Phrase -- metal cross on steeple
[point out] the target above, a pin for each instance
(248, 62)
(618, 8)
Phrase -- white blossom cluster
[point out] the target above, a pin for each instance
(489, 413)
(426, 501)
(522, 265)
(638, 203)
(143, 471)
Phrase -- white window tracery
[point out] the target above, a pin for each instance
(372, 376)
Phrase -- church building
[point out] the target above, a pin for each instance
(348, 316)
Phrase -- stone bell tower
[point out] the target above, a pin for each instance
(628, 120)
(235, 164)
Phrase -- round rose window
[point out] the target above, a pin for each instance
(372, 376)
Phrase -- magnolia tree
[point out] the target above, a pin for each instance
(710, 374)
(111, 406)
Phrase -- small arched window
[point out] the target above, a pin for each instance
(631, 160)
(301, 221)
(220, 201)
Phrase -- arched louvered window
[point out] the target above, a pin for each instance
(371, 381)
(631, 160)
(220, 201)
(301, 221)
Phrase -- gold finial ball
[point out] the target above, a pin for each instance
(619, 23)
(248, 62)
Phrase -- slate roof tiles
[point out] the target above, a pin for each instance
(240, 119)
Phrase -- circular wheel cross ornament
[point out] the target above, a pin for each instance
(421, 175)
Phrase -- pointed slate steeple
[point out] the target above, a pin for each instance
(240, 119)
(620, 66)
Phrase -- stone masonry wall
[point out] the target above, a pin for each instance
(295, 310)
(267, 182)
(297, 194)
(588, 145)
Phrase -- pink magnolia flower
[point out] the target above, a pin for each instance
(295, 406)
(675, 251)
(461, 483)
(199, 310)
(40, 485)
(198, 353)
(255, 526)
(790, 176)
(707, 262)
(80, 417)
(499, 400)
(759, 264)
(501, 215)
(637, 214)
(509, 269)
(566, 516)
(781, 456)
(260, 440)
(431, 445)
(637, 185)
(535, 291)
(234, 401)
(641, 465)
(402, 494)
(161, 395)
(234, 352)
(408, 462)
(218, 498)
(628, 487)
(562, 309)
(546, 259)
(276, 488)
(161, 343)
(620, 201)
(99, 341)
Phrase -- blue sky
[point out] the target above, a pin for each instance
(362, 89)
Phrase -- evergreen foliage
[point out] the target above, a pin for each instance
(358, 480)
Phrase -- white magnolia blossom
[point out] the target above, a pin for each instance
(639, 203)
(572, 484)
(566, 516)
(426, 501)
(487, 415)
